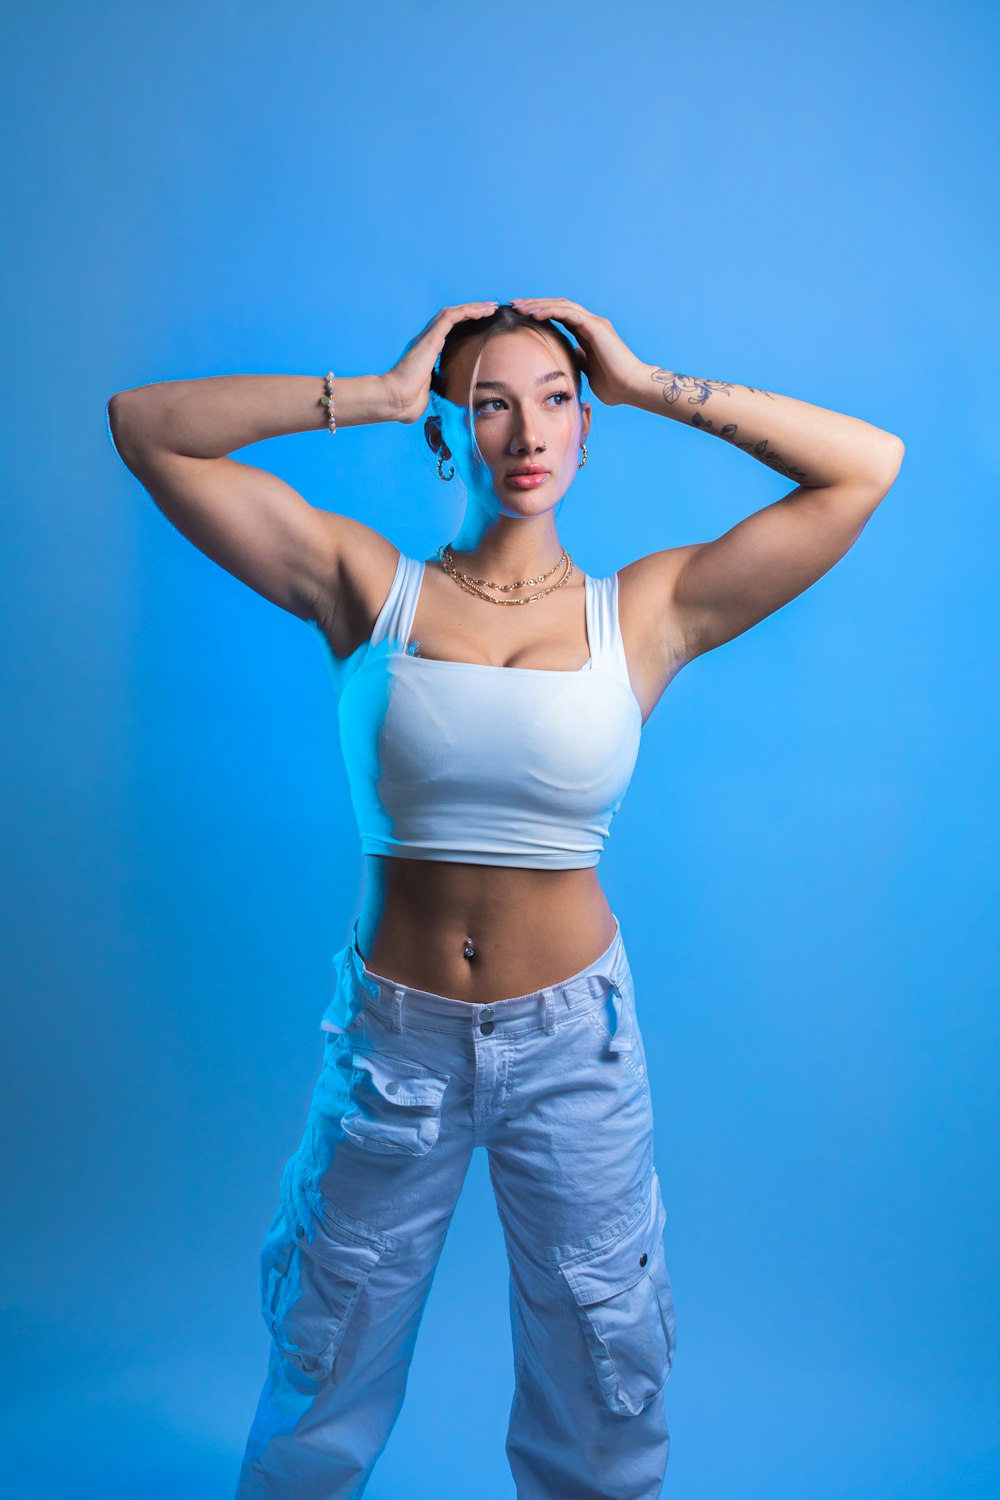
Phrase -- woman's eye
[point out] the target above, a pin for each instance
(565, 395)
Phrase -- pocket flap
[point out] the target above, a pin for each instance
(312, 1274)
(352, 1255)
(400, 1081)
(601, 1267)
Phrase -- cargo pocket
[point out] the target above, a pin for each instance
(622, 1290)
(314, 1265)
(394, 1105)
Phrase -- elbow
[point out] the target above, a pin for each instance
(898, 448)
(115, 410)
(887, 471)
(114, 416)
(119, 414)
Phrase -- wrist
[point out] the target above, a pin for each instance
(642, 389)
(378, 397)
(392, 402)
(360, 400)
(389, 400)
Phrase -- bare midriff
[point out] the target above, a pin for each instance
(527, 928)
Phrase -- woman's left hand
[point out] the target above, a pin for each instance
(608, 363)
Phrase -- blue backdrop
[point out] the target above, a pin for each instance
(796, 198)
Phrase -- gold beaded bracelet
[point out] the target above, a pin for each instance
(327, 401)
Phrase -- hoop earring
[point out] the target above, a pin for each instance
(584, 448)
(441, 473)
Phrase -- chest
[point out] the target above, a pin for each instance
(507, 736)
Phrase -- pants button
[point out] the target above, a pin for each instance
(487, 1027)
(487, 1012)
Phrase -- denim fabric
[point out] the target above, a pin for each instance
(554, 1085)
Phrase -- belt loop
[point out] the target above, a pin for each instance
(550, 1012)
(398, 991)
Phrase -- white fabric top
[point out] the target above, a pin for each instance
(488, 765)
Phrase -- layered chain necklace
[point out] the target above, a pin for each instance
(475, 585)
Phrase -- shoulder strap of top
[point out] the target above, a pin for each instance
(606, 645)
(396, 615)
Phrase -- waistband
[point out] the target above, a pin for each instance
(403, 1005)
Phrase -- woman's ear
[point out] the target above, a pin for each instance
(432, 432)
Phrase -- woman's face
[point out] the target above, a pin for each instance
(526, 411)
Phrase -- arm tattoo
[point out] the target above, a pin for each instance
(674, 384)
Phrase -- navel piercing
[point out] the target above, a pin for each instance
(469, 950)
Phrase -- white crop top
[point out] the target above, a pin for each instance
(461, 761)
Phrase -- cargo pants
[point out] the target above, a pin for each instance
(554, 1085)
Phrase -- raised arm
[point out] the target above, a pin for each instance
(704, 594)
(844, 468)
(175, 437)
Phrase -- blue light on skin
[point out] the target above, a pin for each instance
(535, 419)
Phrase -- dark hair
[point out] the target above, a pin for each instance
(506, 319)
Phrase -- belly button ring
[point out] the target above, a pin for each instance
(469, 950)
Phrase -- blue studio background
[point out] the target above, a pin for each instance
(802, 199)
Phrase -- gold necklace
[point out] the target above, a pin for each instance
(520, 584)
(471, 585)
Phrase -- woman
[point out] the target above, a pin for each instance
(486, 996)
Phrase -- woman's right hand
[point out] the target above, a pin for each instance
(409, 380)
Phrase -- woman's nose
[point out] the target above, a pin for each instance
(525, 439)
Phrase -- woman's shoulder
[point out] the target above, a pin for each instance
(644, 583)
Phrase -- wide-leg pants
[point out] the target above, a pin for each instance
(554, 1085)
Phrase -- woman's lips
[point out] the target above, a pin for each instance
(528, 481)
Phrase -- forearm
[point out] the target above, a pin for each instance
(211, 417)
(809, 444)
